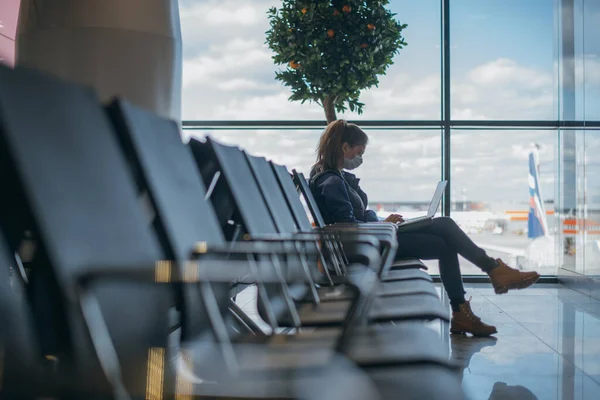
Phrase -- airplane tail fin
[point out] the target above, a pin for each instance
(537, 223)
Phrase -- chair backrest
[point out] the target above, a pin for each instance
(167, 172)
(291, 195)
(56, 138)
(18, 347)
(302, 185)
(218, 193)
(272, 194)
(241, 184)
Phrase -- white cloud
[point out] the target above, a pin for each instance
(210, 21)
(224, 66)
(244, 15)
(505, 71)
(238, 84)
(503, 89)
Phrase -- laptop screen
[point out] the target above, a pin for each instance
(437, 198)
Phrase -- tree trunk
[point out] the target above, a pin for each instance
(329, 106)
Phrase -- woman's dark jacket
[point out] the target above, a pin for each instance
(339, 197)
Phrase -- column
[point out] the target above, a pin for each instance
(130, 48)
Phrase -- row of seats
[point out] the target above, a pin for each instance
(140, 242)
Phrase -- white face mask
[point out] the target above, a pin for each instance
(353, 163)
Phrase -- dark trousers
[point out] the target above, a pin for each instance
(443, 240)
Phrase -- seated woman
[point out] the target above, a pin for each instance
(341, 199)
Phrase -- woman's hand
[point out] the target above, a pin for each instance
(394, 218)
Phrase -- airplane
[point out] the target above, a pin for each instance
(541, 250)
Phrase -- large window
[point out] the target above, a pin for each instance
(521, 75)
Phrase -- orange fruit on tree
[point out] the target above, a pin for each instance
(330, 33)
(304, 10)
(294, 64)
(347, 8)
(364, 46)
(371, 27)
(336, 13)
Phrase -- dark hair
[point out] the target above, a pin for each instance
(335, 135)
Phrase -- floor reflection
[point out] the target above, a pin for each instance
(547, 346)
(503, 391)
(463, 349)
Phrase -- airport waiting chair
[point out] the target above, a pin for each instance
(67, 168)
(236, 175)
(284, 220)
(391, 272)
(159, 158)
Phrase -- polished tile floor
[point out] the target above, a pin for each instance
(547, 346)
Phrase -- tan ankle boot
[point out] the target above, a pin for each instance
(465, 321)
(505, 278)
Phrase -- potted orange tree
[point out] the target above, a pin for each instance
(333, 49)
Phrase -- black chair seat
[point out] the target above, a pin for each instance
(407, 264)
(413, 306)
(406, 274)
(407, 342)
(395, 288)
(411, 286)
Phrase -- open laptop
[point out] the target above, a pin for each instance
(433, 206)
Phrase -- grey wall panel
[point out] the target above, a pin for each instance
(9, 11)
(7, 50)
